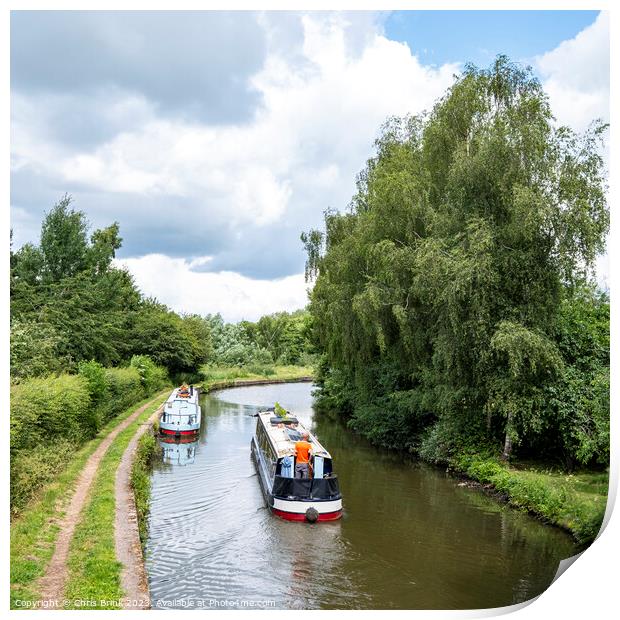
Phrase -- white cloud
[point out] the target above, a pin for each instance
(576, 76)
(321, 112)
(172, 281)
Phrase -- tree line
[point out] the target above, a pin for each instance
(70, 303)
(454, 303)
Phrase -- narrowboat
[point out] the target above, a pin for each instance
(315, 498)
(181, 415)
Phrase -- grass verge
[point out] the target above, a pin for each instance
(217, 377)
(148, 449)
(94, 572)
(34, 532)
(575, 502)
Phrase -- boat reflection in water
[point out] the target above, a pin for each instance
(179, 451)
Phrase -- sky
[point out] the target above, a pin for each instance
(216, 138)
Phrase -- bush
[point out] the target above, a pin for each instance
(261, 356)
(50, 417)
(242, 354)
(35, 467)
(152, 377)
(43, 409)
(94, 375)
(124, 388)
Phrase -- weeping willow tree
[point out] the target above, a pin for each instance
(437, 293)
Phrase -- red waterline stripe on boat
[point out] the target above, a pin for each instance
(300, 516)
(168, 432)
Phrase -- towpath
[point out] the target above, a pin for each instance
(126, 534)
(52, 583)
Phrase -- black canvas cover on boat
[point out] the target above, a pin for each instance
(306, 488)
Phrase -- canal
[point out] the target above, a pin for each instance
(410, 536)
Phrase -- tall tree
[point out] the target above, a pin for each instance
(438, 294)
(64, 243)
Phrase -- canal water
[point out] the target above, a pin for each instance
(410, 536)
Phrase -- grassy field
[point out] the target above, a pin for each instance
(34, 532)
(213, 375)
(573, 501)
(94, 572)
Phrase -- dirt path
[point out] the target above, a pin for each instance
(126, 536)
(52, 583)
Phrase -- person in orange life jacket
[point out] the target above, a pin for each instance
(302, 452)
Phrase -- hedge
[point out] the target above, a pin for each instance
(52, 416)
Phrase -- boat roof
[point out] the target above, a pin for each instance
(281, 441)
(174, 397)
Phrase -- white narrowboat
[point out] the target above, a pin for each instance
(315, 498)
(181, 415)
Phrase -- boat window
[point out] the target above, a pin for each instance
(327, 467)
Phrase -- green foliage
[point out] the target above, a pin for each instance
(261, 369)
(26, 266)
(34, 350)
(33, 468)
(577, 404)
(69, 304)
(96, 380)
(451, 436)
(147, 450)
(45, 412)
(152, 377)
(49, 408)
(124, 387)
(64, 245)
(282, 338)
(447, 297)
(180, 344)
(53, 416)
(280, 411)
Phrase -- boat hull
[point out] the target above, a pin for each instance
(301, 516)
(175, 432)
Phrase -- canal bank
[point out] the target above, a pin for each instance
(410, 537)
(218, 378)
(575, 502)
